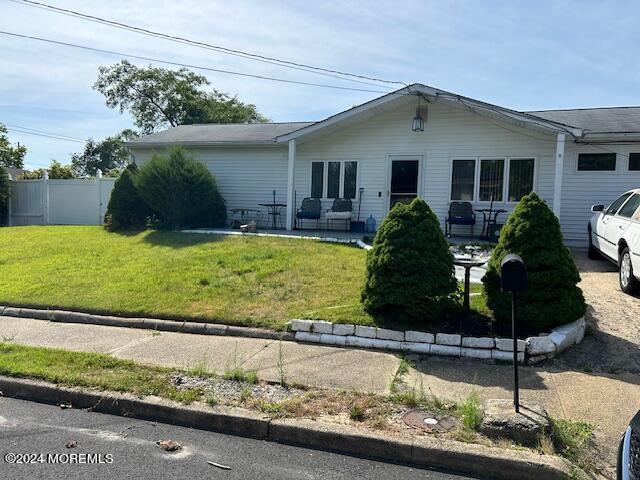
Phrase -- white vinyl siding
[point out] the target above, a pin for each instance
(246, 176)
(450, 133)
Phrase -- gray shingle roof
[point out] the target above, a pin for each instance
(610, 119)
(214, 133)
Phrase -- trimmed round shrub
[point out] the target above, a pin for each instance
(410, 272)
(181, 192)
(553, 297)
(126, 209)
(5, 191)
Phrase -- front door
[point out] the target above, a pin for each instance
(404, 181)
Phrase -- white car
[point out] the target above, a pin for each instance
(614, 233)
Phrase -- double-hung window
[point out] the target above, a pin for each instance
(334, 179)
(487, 179)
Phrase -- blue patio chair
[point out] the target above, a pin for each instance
(460, 213)
(311, 209)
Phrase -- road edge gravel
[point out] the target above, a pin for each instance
(420, 452)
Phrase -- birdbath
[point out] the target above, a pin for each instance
(468, 263)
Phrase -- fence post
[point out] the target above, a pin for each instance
(9, 210)
(99, 188)
(45, 207)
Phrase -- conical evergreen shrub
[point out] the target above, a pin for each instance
(126, 209)
(553, 297)
(181, 191)
(410, 273)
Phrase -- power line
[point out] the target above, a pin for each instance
(217, 48)
(50, 136)
(44, 132)
(186, 65)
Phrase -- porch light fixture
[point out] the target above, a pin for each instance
(418, 122)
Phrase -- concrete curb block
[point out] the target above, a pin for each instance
(422, 452)
(446, 344)
(199, 328)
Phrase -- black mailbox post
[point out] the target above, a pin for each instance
(513, 274)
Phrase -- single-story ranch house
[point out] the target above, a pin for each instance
(458, 149)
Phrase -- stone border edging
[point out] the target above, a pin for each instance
(422, 452)
(531, 350)
(200, 328)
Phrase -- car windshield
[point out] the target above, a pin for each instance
(617, 203)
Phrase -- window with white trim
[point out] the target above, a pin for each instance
(596, 162)
(463, 178)
(521, 172)
(334, 179)
(491, 180)
(484, 179)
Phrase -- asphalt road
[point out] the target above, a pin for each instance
(128, 450)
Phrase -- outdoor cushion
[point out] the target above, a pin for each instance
(338, 215)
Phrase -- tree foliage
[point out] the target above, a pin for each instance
(126, 209)
(180, 191)
(410, 272)
(158, 97)
(5, 191)
(10, 155)
(56, 171)
(108, 155)
(553, 297)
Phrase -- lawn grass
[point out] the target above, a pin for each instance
(256, 281)
(92, 370)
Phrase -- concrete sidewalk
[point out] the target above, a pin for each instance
(608, 401)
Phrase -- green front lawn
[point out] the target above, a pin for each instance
(243, 280)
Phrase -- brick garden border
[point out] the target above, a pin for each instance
(531, 350)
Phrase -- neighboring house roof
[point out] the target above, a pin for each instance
(15, 172)
(219, 134)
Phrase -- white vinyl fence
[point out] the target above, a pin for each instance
(59, 202)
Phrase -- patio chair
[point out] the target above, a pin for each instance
(311, 209)
(460, 213)
(341, 210)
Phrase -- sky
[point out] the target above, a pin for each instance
(525, 55)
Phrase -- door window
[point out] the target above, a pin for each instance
(617, 203)
(629, 208)
(404, 181)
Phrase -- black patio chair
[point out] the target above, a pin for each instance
(460, 213)
(341, 210)
(311, 209)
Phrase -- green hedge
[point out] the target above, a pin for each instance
(410, 272)
(553, 297)
(126, 209)
(181, 192)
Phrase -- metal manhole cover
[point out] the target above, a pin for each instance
(428, 421)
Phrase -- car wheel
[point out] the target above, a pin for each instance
(628, 282)
(593, 253)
